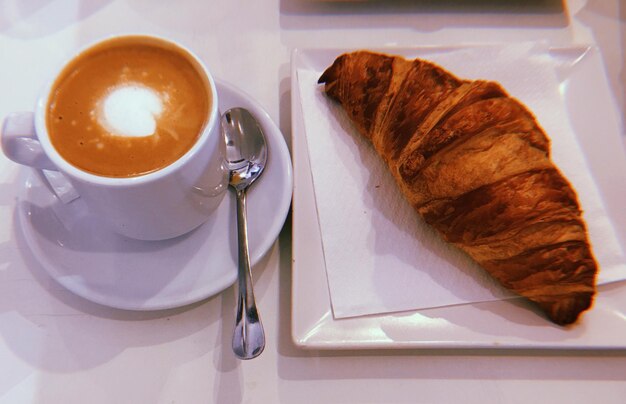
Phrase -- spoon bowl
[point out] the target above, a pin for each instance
(246, 156)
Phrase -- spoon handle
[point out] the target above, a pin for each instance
(248, 337)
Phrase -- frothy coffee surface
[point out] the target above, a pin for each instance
(127, 107)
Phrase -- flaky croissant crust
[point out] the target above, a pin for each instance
(476, 165)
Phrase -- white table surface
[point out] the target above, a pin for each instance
(58, 348)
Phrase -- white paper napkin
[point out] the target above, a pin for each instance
(380, 256)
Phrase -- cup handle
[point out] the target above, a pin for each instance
(20, 144)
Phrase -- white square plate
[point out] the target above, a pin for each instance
(501, 324)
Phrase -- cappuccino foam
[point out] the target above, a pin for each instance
(130, 110)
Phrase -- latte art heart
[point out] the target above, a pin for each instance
(130, 110)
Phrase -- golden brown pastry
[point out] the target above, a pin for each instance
(476, 165)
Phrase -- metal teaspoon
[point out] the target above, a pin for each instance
(246, 155)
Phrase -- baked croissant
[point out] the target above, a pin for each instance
(476, 165)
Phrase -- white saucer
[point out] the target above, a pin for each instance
(115, 271)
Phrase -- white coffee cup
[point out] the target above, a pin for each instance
(162, 204)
